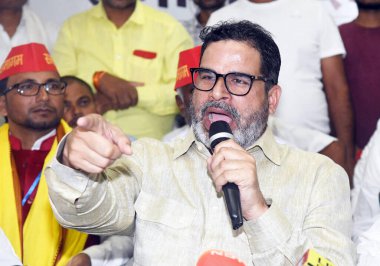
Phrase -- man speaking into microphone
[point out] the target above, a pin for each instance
(170, 195)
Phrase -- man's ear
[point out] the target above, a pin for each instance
(3, 110)
(274, 95)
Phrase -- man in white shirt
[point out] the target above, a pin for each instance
(366, 202)
(20, 25)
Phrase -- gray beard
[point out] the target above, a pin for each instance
(246, 133)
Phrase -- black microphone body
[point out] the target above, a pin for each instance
(221, 131)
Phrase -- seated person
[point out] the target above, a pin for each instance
(366, 202)
(79, 100)
(184, 89)
(32, 95)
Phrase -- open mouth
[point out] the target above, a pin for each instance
(216, 114)
(213, 117)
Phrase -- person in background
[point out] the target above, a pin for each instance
(184, 89)
(366, 202)
(32, 94)
(133, 71)
(174, 191)
(19, 25)
(342, 11)
(315, 92)
(79, 100)
(58, 11)
(362, 63)
(199, 20)
(2, 113)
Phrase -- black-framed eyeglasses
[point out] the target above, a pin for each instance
(236, 83)
(31, 88)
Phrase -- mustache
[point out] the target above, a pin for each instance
(44, 107)
(223, 106)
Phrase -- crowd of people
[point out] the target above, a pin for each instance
(106, 154)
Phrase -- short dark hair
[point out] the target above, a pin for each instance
(252, 34)
(3, 85)
(70, 79)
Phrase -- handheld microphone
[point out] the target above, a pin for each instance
(218, 258)
(221, 131)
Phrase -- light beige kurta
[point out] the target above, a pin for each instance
(179, 215)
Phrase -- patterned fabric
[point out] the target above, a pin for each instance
(170, 202)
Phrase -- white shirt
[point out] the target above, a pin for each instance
(369, 245)
(7, 253)
(30, 29)
(298, 136)
(305, 33)
(365, 195)
(58, 11)
(343, 11)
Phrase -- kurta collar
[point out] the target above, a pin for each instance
(39, 144)
(266, 143)
(137, 16)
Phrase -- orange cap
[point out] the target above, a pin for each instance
(187, 59)
(31, 57)
(218, 258)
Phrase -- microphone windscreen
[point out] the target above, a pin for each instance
(218, 132)
(218, 258)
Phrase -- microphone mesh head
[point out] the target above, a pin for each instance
(219, 131)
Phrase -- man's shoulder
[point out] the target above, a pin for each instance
(303, 154)
(81, 16)
(157, 16)
(312, 170)
(305, 159)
